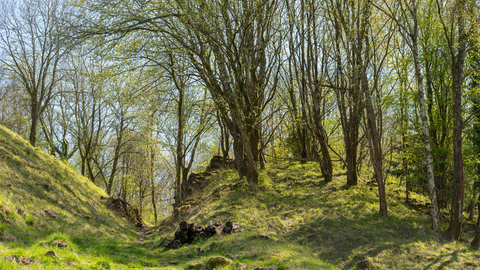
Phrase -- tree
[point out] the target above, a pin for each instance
(405, 16)
(457, 32)
(34, 41)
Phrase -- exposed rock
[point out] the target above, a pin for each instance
(10, 239)
(219, 261)
(126, 246)
(194, 183)
(124, 209)
(19, 259)
(6, 210)
(195, 265)
(270, 267)
(197, 181)
(19, 210)
(200, 250)
(173, 262)
(51, 253)
(188, 232)
(59, 243)
(51, 213)
(217, 163)
(365, 264)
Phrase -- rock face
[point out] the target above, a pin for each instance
(124, 209)
(197, 181)
(217, 163)
(365, 264)
(19, 259)
(188, 232)
(51, 213)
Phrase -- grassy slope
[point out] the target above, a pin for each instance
(311, 225)
(94, 236)
(314, 225)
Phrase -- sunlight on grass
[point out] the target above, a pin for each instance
(310, 224)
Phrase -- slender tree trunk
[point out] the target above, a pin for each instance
(426, 133)
(375, 150)
(458, 62)
(458, 175)
(34, 114)
(476, 241)
(152, 183)
(179, 151)
(351, 159)
(474, 202)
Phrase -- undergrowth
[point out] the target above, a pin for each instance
(308, 224)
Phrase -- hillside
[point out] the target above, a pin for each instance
(292, 220)
(314, 225)
(84, 233)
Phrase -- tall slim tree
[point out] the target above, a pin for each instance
(34, 41)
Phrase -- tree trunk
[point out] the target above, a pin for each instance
(458, 62)
(426, 133)
(34, 114)
(152, 184)
(351, 159)
(179, 151)
(476, 241)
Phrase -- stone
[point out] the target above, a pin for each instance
(51, 253)
(126, 246)
(10, 239)
(19, 210)
(270, 267)
(6, 210)
(173, 262)
(59, 243)
(10, 258)
(200, 250)
(219, 261)
(213, 245)
(365, 264)
(19, 259)
(51, 213)
(195, 265)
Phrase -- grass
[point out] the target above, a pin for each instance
(310, 224)
(317, 225)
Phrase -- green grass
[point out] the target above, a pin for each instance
(310, 224)
(315, 225)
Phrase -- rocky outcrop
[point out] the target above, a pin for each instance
(217, 163)
(188, 232)
(194, 183)
(125, 210)
(197, 181)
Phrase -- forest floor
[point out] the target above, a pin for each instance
(309, 224)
